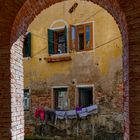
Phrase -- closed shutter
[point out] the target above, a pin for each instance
(50, 41)
(27, 46)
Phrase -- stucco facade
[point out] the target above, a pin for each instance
(15, 18)
(100, 67)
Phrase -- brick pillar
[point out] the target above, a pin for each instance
(132, 13)
(126, 92)
(17, 111)
(134, 81)
(5, 98)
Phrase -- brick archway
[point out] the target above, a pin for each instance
(21, 24)
(12, 25)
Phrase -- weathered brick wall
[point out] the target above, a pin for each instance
(5, 98)
(17, 112)
(108, 121)
(132, 99)
(6, 20)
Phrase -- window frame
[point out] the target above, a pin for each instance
(57, 29)
(54, 98)
(84, 86)
(92, 36)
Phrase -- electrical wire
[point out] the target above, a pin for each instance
(57, 44)
(45, 38)
(54, 42)
(93, 15)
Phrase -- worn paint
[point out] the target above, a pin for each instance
(101, 67)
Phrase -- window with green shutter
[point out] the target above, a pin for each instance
(57, 41)
(51, 41)
(27, 46)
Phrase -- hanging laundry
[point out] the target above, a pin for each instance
(71, 114)
(50, 116)
(40, 113)
(82, 113)
(60, 115)
(78, 108)
(91, 109)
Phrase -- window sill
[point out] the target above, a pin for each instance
(26, 58)
(52, 59)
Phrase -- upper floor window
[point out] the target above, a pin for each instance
(81, 37)
(27, 46)
(57, 41)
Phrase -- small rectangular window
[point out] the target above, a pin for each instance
(26, 100)
(60, 99)
(85, 96)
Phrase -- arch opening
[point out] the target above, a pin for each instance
(20, 43)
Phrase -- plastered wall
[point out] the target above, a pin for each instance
(101, 66)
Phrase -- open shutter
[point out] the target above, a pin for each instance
(72, 37)
(50, 41)
(88, 36)
(65, 36)
(27, 46)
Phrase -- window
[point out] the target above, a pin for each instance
(27, 46)
(81, 37)
(60, 98)
(57, 41)
(85, 96)
(26, 99)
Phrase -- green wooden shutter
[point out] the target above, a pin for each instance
(65, 35)
(27, 46)
(50, 41)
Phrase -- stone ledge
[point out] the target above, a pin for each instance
(58, 59)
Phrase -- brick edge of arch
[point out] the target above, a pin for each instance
(31, 9)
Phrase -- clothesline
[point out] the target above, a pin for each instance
(65, 115)
(57, 43)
